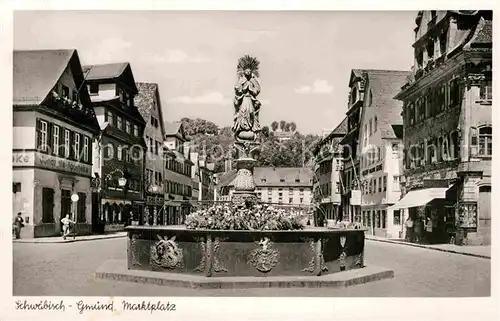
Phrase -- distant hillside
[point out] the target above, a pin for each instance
(217, 144)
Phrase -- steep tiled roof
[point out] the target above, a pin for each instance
(148, 97)
(36, 72)
(105, 71)
(482, 36)
(273, 176)
(335, 136)
(383, 86)
(225, 179)
(172, 128)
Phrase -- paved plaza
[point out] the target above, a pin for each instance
(66, 269)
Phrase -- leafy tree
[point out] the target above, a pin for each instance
(274, 126)
(287, 127)
(293, 126)
(265, 131)
(282, 124)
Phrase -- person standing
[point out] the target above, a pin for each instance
(409, 229)
(428, 230)
(18, 225)
(66, 224)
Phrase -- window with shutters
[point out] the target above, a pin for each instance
(486, 90)
(42, 135)
(380, 184)
(119, 122)
(384, 185)
(67, 143)
(55, 139)
(485, 147)
(77, 146)
(109, 118)
(85, 149)
(127, 127)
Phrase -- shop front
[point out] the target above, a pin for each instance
(427, 215)
(42, 190)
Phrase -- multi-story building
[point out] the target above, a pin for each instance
(448, 126)
(119, 149)
(282, 186)
(202, 178)
(327, 183)
(53, 128)
(380, 136)
(351, 194)
(178, 182)
(149, 105)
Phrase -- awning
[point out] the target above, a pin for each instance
(419, 197)
(115, 201)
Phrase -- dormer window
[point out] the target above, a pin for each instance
(297, 180)
(65, 91)
(262, 180)
(282, 180)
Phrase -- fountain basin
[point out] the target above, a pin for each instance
(230, 253)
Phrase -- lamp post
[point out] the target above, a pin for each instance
(74, 199)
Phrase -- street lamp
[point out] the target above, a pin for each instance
(74, 199)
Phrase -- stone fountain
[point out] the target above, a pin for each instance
(209, 258)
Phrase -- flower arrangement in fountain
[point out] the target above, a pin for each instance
(232, 217)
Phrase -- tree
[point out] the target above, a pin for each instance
(265, 131)
(287, 127)
(274, 125)
(293, 126)
(282, 124)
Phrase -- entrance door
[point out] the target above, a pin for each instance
(97, 224)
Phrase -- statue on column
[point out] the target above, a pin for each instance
(246, 125)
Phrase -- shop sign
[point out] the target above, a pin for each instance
(23, 159)
(66, 165)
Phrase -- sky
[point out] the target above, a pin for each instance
(305, 56)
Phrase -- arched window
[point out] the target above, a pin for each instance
(485, 141)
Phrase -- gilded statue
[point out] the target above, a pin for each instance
(246, 125)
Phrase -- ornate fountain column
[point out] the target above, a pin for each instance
(246, 128)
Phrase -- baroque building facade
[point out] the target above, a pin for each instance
(327, 182)
(280, 186)
(380, 136)
(351, 194)
(53, 127)
(178, 171)
(118, 164)
(447, 103)
(148, 103)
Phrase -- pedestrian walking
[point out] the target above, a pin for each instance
(409, 229)
(66, 225)
(18, 225)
